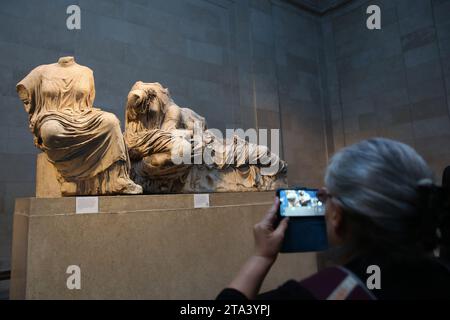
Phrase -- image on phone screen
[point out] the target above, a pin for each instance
(300, 203)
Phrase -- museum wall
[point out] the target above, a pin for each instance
(241, 64)
(393, 82)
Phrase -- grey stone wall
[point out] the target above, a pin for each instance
(393, 82)
(242, 64)
(298, 56)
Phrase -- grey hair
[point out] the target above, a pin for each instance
(378, 179)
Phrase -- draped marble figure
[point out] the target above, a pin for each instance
(157, 130)
(85, 144)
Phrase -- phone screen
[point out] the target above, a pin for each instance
(300, 203)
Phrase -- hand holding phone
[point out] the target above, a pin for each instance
(268, 234)
(307, 229)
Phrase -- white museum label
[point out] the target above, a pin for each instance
(201, 200)
(87, 205)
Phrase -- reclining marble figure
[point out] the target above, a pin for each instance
(157, 130)
(85, 144)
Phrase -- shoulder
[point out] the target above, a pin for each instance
(173, 111)
(87, 70)
(84, 69)
(173, 107)
(37, 71)
(337, 283)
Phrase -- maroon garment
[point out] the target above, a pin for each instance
(414, 278)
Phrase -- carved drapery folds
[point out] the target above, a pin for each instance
(158, 132)
(84, 143)
(165, 148)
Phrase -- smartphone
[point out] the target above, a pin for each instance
(307, 229)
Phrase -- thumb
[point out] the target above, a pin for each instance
(270, 217)
(281, 229)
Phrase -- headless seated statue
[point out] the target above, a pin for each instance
(157, 130)
(85, 144)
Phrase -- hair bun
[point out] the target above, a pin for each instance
(434, 215)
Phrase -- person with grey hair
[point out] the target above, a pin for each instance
(383, 212)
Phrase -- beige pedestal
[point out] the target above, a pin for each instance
(140, 247)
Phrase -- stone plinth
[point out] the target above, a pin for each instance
(140, 247)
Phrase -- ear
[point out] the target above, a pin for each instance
(336, 219)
